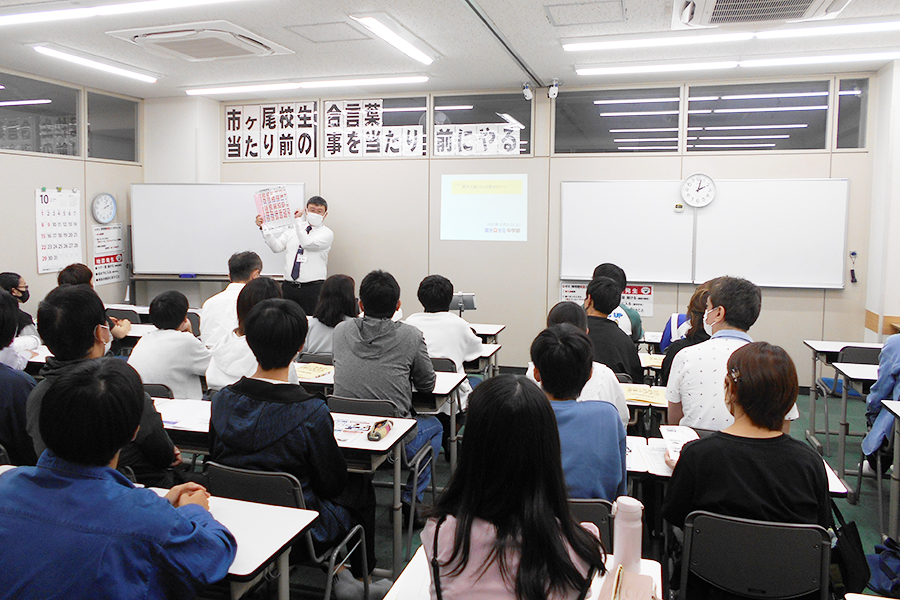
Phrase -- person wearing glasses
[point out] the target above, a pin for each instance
(27, 337)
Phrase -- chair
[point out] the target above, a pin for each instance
(194, 318)
(283, 489)
(158, 390)
(320, 359)
(755, 559)
(443, 365)
(123, 313)
(422, 459)
(880, 469)
(4, 456)
(834, 386)
(596, 511)
(624, 378)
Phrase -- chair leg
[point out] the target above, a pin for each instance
(880, 496)
(859, 475)
(425, 461)
(827, 425)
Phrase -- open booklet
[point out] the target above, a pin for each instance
(638, 392)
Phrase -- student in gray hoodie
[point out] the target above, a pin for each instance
(380, 359)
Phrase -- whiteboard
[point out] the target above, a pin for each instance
(194, 228)
(630, 223)
(776, 233)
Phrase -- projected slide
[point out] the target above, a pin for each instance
(484, 207)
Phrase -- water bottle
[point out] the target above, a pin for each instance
(628, 534)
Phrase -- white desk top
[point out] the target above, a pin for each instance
(893, 406)
(641, 394)
(141, 329)
(141, 309)
(652, 337)
(487, 329)
(488, 350)
(444, 383)
(415, 580)
(835, 346)
(856, 371)
(652, 361)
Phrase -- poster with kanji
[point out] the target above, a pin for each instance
(271, 131)
(487, 139)
(109, 253)
(58, 228)
(356, 129)
(273, 205)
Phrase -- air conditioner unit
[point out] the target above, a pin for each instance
(742, 13)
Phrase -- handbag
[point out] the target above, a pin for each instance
(885, 566)
(849, 568)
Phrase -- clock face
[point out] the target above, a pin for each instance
(698, 190)
(104, 208)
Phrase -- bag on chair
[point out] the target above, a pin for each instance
(885, 566)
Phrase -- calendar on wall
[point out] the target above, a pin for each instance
(58, 228)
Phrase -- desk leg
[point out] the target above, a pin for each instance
(398, 517)
(453, 438)
(843, 428)
(895, 482)
(813, 396)
(284, 576)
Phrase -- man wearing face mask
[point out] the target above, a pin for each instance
(305, 246)
(72, 322)
(26, 333)
(696, 392)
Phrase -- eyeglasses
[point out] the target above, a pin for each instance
(21, 288)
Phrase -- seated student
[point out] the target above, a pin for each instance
(591, 433)
(82, 530)
(27, 337)
(171, 354)
(603, 384)
(695, 333)
(14, 389)
(264, 422)
(612, 347)
(446, 336)
(628, 319)
(232, 357)
(218, 316)
(502, 528)
(78, 273)
(72, 322)
(380, 359)
(694, 391)
(337, 302)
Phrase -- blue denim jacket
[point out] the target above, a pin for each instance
(81, 532)
(885, 388)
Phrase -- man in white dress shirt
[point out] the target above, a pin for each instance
(305, 246)
(218, 315)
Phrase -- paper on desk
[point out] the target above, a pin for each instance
(654, 361)
(187, 415)
(347, 429)
(638, 392)
(677, 436)
(312, 370)
(655, 457)
(634, 458)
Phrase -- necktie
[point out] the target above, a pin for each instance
(295, 272)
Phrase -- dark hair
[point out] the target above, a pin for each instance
(317, 201)
(9, 280)
(168, 310)
(275, 330)
(91, 410)
(741, 299)
(336, 300)
(261, 288)
(564, 357)
(519, 489)
(605, 293)
(75, 274)
(614, 272)
(763, 379)
(66, 320)
(435, 293)
(9, 318)
(697, 308)
(379, 293)
(567, 312)
(242, 264)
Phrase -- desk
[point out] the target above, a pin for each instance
(824, 352)
(651, 362)
(893, 406)
(488, 332)
(415, 581)
(187, 422)
(139, 330)
(486, 364)
(652, 339)
(853, 374)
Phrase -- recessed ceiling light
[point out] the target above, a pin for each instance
(101, 11)
(819, 60)
(657, 42)
(646, 113)
(657, 68)
(753, 127)
(395, 35)
(25, 102)
(832, 30)
(636, 101)
(93, 64)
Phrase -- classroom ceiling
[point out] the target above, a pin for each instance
(478, 45)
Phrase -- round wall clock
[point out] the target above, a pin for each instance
(104, 208)
(698, 190)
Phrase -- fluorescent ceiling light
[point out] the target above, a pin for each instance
(243, 89)
(648, 148)
(819, 60)
(2, 87)
(295, 85)
(733, 146)
(747, 127)
(702, 98)
(754, 109)
(632, 140)
(393, 38)
(25, 102)
(649, 113)
(832, 30)
(765, 96)
(86, 62)
(745, 137)
(658, 68)
(102, 11)
(657, 42)
(361, 82)
(457, 107)
(636, 101)
(849, 92)
(699, 111)
(509, 119)
(645, 130)
(405, 109)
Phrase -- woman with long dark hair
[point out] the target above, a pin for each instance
(337, 303)
(503, 529)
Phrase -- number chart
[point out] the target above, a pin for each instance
(58, 224)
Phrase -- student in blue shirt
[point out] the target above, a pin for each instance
(76, 528)
(591, 433)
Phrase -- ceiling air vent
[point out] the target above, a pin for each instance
(713, 13)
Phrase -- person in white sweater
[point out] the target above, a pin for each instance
(218, 316)
(171, 354)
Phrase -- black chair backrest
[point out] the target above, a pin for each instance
(443, 365)
(4, 456)
(624, 378)
(123, 313)
(159, 390)
(356, 406)
(598, 512)
(265, 487)
(194, 318)
(319, 359)
(859, 355)
(755, 559)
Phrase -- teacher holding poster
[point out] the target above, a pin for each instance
(305, 246)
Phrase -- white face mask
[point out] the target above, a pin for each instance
(706, 326)
(107, 345)
(314, 219)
